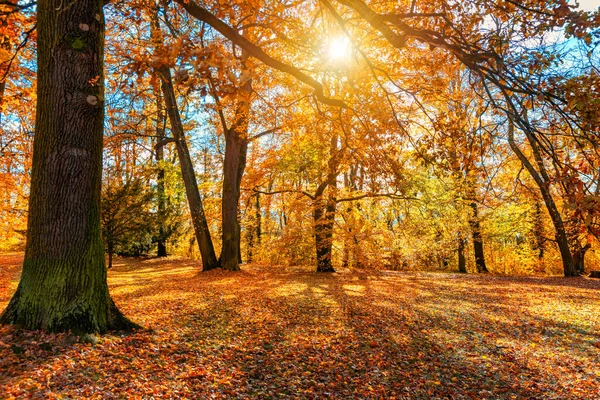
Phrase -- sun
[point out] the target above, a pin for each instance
(338, 49)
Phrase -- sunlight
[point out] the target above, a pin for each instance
(338, 49)
(588, 5)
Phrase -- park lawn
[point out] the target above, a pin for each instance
(275, 332)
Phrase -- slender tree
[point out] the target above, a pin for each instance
(203, 238)
(160, 176)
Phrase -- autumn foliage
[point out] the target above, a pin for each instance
(397, 184)
(288, 332)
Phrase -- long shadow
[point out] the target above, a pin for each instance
(304, 335)
(302, 340)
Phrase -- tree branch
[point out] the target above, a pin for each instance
(230, 33)
(164, 142)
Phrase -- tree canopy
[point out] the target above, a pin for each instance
(437, 135)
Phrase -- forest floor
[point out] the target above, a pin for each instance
(273, 332)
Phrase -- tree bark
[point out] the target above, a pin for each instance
(111, 252)
(538, 230)
(579, 258)
(477, 239)
(324, 213)
(233, 167)
(323, 219)
(253, 235)
(63, 284)
(207, 250)
(234, 164)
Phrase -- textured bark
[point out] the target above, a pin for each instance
(63, 283)
(207, 250)
(477, 239)
(543, 182)
(230, 195)
(234, 164)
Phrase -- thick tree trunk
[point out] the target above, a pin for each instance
(234, 164)
(207, 250)
(543, 183)
(477, 239)
(230, 198)
(63, 284)
(462, 261)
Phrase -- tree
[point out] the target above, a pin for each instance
(63, 284)
(160, 175)
(126, 217)
(207, 251)
(234, 163)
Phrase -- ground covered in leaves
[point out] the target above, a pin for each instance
(271, 332)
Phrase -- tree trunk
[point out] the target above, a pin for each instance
(477, 239)
(543, 183)
(63, 284)
(254, 234)
(160, 177)
(201, 230)
(111, 252)
(538, 230)
(258, 220)
(323, 235)
(230, 198)
(207, 250)
(324, 212)
(579, 258)
(234, 164)
(462, 261)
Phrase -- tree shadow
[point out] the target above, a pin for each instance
(354, 334)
